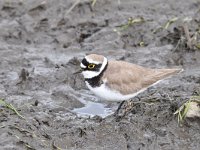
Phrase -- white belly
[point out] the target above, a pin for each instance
(110, 95)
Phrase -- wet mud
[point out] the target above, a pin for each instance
(41, 45)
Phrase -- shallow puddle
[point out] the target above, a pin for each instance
(92, 107)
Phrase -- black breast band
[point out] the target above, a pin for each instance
(96, 81)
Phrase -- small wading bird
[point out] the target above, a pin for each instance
(119, 80)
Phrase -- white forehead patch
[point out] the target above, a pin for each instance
(83, 66)
(92, 61)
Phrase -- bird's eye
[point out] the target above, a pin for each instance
(91, 66)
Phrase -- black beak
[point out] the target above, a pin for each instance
(78, 71)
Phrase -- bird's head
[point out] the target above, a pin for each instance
(92, 65)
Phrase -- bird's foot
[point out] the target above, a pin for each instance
(124, 108)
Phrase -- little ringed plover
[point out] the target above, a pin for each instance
(119, 80)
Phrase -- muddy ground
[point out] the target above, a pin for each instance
(41, 44)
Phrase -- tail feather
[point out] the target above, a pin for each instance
(159, 74)
(164, 73)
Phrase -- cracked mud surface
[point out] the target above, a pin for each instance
(41, 44)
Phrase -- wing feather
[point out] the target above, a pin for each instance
(129, 78)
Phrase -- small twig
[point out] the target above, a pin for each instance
(11, 107)
(170, 22)
(55, 147)
(93, 3)
(2, 126)
(131, 21)
(72, 7)
(177, 45)
(187, 34)
(25, 143)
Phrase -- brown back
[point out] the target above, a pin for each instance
(129, 78)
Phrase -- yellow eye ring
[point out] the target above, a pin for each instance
(91, 66)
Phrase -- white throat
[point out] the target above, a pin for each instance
(90, 74)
